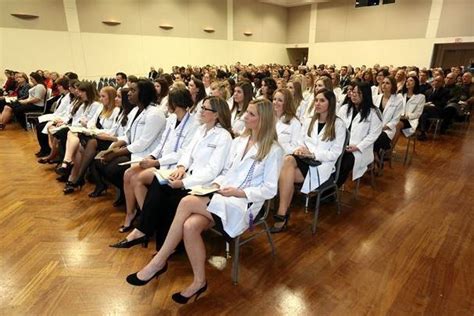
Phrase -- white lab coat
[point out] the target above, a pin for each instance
(109, 123)
(144, 131)
(261, 185)
(174, 140)
(89, 114)
(205, 157)
(326, 152)
(163, 106)
(413, 110)
(363, 135)
(301, 110)
(288, 134)
(392, 112)
(375, 93)
(238, 123)
(62, 112)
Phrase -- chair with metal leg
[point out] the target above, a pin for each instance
(410, 139)
(260, 220)
(327, 186)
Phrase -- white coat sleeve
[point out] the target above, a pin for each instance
(173, 156)
(269, 188)
(375, 129)
(93, 115)
(214, 165)
(418, 108)
(392, 124)
(154, 124)
(295, 130)
(335, 150)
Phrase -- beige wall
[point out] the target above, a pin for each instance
(298, 24)
(143, 17)
(340, 20)
(266, 22)
(457, 18)
(50, 12)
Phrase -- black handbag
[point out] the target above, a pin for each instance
(310, 161)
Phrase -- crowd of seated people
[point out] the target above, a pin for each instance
(205, 147)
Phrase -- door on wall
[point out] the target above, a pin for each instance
(298, 56)
(453, 54)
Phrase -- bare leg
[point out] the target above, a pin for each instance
(143, 179)
(289, 175)
(196, 250)
(188, 206)
(135, 177)
(6, 115)
(72, 144)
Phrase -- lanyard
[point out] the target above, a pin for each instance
(248, 179)
(168, 134)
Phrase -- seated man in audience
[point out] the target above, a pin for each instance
(424, 85)
(437, 98)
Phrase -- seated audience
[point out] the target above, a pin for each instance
(322, 140)
(287, 124)
(250, 178)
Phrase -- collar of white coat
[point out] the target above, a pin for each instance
(251, 153)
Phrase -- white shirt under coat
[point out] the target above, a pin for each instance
(391, 114)
(174, 140)
(261, 185)
(144, 131)
(412, 109)
(325, 151)
(205, 157)
(363, 135)
(288, 134)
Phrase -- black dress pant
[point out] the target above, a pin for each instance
(383, 142)
(19, 111)
(347, 164)
(159, 209)
(43, 140)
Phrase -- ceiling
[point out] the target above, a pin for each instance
(292, 3)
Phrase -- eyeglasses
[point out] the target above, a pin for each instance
(206, 109)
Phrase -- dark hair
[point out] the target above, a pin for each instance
(133, 78)
(168, 79)
(90, 90)
(126, 106)
(271, 87)
(248, 95)
(416, 88)
(330, 129)
(164, 89)
(202, 90)
(63, 82)
(180, 97)
(146, 92)
(38, 78)
(367, 102)
(122, 75)
(393, 84)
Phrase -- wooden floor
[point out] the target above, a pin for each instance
(406, 247)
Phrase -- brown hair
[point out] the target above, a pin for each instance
(330, 127)
(289, 110)
(109, 108)
(221, 108)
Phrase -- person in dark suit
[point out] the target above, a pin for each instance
(436, 100)
(345, 77)
(424, 85)
(153, 73)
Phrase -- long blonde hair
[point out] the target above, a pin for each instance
(330, 127)
(109, 108)
(267, 134)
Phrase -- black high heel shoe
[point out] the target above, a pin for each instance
(99, 190)
(134, 280)
(126, 229)
(280, 219)
(124, 243)
(180, 299)
(62, 171)
(70, 186)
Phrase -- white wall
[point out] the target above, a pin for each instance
(94, 55)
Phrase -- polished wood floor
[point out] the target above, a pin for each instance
(406, 247)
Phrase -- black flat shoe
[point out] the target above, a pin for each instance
(180, 299)
(126, 229)
(279, 219)
(124, 243)
(100, 189)
(134, 280)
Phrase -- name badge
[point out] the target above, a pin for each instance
(211, 145)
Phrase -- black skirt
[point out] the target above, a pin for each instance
(302, 166)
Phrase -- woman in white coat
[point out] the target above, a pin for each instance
(413, 103)
(391, 105)
(179, 131)
(287, 125)
(364, 121)
(250, 178)
(243, 93)
(321, 139)
(202, 161)
(146, 124)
